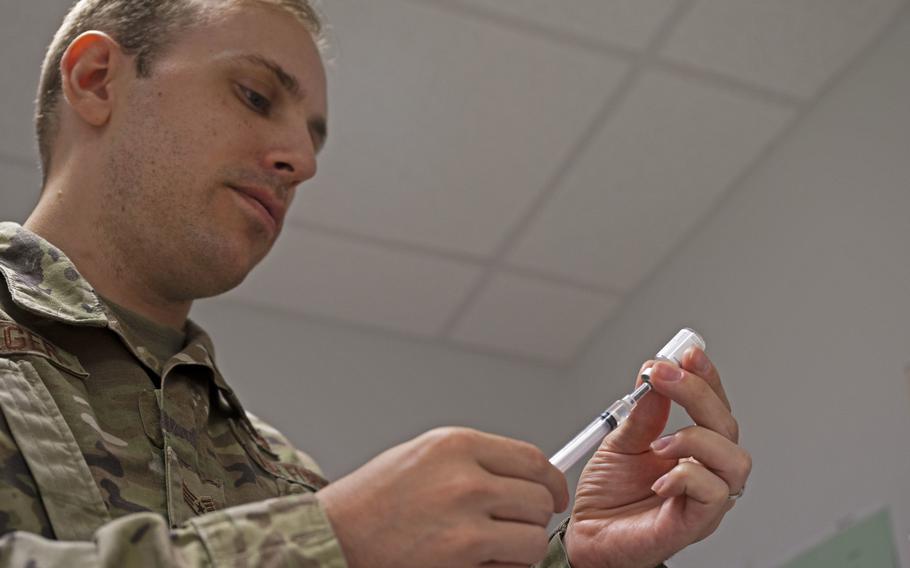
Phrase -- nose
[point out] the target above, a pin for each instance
(294, 162)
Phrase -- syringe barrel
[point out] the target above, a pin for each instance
(591, 436)
(584, 442)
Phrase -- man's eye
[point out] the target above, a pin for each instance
(259, 103)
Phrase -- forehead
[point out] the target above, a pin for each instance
(255, 28)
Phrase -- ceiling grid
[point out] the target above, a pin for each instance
(482, 151)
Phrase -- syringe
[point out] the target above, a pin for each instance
(619, 411)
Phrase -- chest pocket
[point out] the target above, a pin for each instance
(190, 494)
(65, 484)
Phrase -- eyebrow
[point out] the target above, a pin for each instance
(292, 86)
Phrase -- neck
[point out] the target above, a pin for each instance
(71, 222)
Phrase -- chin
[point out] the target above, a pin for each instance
(215, 279)
(222, 258)
(212, 287)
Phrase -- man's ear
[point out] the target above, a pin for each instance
(88, 69)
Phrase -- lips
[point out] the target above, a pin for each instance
(269, 201)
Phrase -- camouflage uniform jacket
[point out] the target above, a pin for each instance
(144, 462)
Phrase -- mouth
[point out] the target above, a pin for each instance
(266, 203)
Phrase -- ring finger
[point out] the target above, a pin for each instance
(729, 461)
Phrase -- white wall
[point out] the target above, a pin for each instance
(801, 285)
(344, 394)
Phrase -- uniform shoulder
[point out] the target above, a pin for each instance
(283, 447)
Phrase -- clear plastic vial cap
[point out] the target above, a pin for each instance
(682, 341)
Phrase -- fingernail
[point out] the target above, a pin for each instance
(661, 443)
(658, 484)
(700, 360)
(669, 373)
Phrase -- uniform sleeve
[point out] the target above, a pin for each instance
(556, 553)
(285, 531)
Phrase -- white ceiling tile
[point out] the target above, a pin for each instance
(20, 187)
(792, 46)
(532, 317)
(444, 129)
(313, 274)
(26, 29)
(631, 23)
(656, 168)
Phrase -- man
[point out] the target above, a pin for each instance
(173, 135)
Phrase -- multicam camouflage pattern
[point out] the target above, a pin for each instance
(110, 457)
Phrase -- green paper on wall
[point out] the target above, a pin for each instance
(867, 544)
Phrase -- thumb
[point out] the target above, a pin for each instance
(645, 424)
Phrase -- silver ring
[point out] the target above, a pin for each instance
(735, 496)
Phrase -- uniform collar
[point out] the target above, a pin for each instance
(199, 350)
(42, 280)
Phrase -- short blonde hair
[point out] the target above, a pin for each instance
(142, 28)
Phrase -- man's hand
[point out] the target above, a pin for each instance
(639, 501)
(452, 497)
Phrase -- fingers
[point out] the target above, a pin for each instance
(697, 362)
(523, 502)
(697, 496)
(647, 421)
(701, 401)
(513, 458)
(707, 494)
(724, 458)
